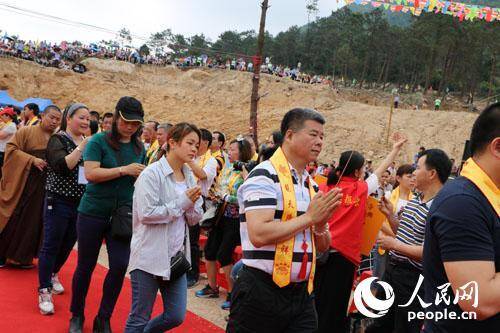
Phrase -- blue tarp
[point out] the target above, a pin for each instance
(5, 99)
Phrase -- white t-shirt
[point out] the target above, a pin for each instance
(372, 182)
(178, 228)
(9, 129)
(211, 170)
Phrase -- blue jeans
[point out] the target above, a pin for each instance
(235, 271)
(92, 231)
(59, 225)
(144, 290)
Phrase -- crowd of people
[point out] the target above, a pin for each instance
(148, 189)
(65, 55)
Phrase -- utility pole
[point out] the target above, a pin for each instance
(257, 61)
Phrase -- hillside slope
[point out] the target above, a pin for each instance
(219, 99)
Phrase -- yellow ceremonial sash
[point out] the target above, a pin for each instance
(475, 174)
(154, 146)
(2, 125)
(283, 257)
(204, 159)
(33, 121)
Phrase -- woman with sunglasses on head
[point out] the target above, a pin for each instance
(166, 201)
(333, 280)
(225, 235)
(112, 162)
(63, 194)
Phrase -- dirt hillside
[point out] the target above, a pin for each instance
(219, 99)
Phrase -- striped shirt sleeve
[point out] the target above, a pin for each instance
(259, 191)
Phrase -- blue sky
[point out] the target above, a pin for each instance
(187, 17)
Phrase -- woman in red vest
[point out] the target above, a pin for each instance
(334, 278)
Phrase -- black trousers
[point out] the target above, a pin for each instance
(194, 238)
(259, 305)
(332, 290)
(403, 278)
(1, 162)
(91, 232)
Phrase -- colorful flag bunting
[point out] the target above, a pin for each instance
(456, 9)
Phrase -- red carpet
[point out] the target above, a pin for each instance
(19, 304)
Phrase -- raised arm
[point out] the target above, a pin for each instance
(396, 148)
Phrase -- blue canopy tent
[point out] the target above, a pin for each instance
(5, 99)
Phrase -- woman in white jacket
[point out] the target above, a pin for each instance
(166, 200)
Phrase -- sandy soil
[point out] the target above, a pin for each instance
(220, 100)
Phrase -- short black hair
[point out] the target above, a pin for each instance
(206, 136)
(485, 129)
(33, 107)
(95, 114)
(438, 160)
(266, 153)
(155, 123)
(295, 119)
(94, 127)
(222, 137)
(277, 138)
(107, 115)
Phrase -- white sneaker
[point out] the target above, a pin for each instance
(45, 302)
(57, 287)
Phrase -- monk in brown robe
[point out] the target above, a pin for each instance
(22, 190)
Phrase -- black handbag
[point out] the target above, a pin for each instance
(121, 220)
(121, 223)
(179, 265)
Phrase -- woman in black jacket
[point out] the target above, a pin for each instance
(65, 186)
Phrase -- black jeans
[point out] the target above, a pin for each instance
(332, 290)
(259, 305)
(194, 239)
(59, 236)
(403, 278)
(91, 232)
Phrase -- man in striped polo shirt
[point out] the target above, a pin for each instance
(281, 226)
(405, 263)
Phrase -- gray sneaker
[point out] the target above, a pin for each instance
(45, 303)
(57, 287)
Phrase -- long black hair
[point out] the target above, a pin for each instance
(349, 162)
(113, 137)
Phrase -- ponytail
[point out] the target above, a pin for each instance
(349, 162)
